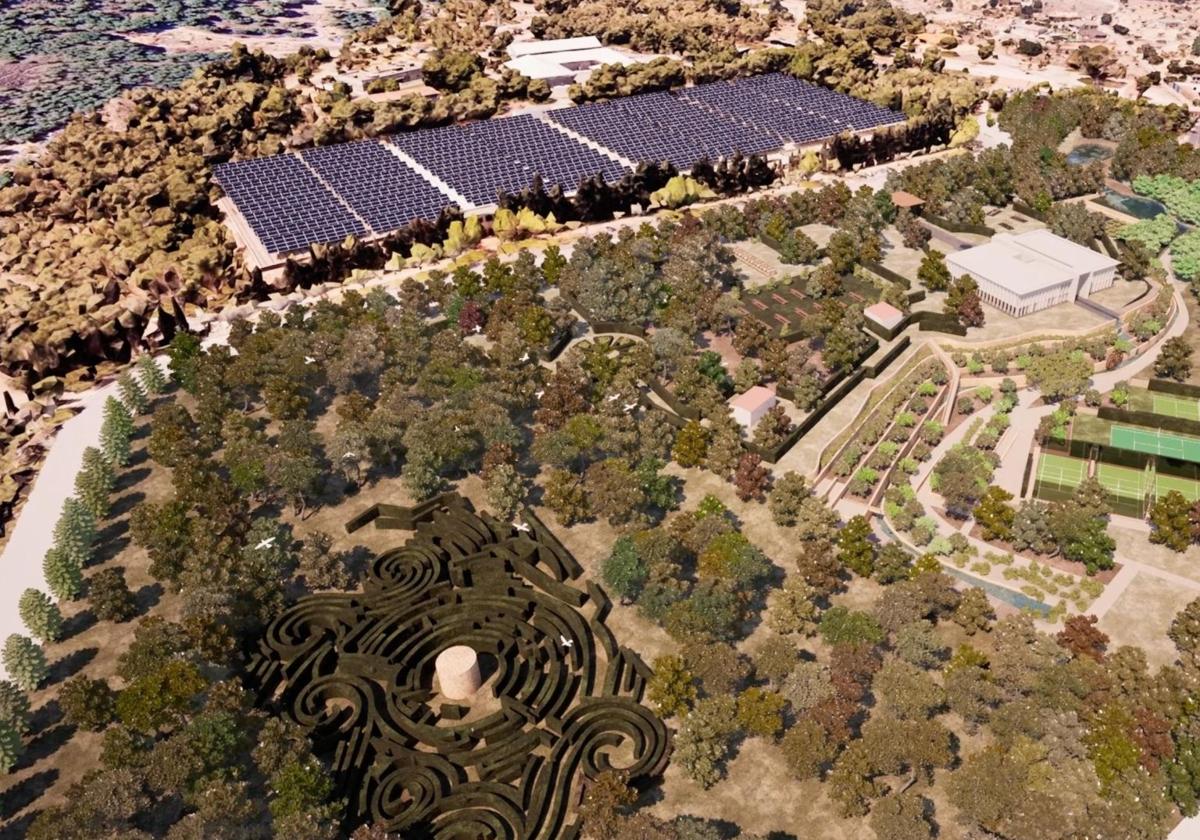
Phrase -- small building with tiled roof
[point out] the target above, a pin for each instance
(749, 407)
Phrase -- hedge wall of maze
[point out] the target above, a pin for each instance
(358, 670)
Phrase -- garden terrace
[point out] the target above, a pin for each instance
(783, 307)
(359, 670)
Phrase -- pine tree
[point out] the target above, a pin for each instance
(116, 432)
(151, 375)
(24, 661)
(11, 747)
(63, 575)
(75, 533)
(40, 615)
(14, 706)
(94, 483)
(132, 394)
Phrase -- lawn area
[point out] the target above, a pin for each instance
(1058, 475)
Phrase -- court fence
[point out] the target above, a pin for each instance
(1129, 417)
(1177, 389)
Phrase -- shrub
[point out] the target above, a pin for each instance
(110, 598)
(24, 661)
(87, 703)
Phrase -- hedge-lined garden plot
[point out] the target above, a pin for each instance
(560, 700)
(782, 308)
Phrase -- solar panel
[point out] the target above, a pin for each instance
(376, 184)
(661, 126)
(480, 160)
(285, 204)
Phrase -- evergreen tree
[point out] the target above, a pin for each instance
(116, 432)
(94, 483)
(75, 532)
(24, 661)
(11, 747)
(151, 375)
(63, 575)
(132, 393)
(14, 706)
(40, 615)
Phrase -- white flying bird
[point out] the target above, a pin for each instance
(477, 330)
(538, 394)
(308, 360)
(449, 281)
(565, 642)
(349, 455)
(614, 397)
(521, 526)
(266, 543)
(630, 406)
(525, 358)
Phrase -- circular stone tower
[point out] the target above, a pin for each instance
(458, 672)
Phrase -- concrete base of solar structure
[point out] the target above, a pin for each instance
(373, 187)
(389, 682)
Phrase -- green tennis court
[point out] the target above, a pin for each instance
(1156, 442)
(1060, 470)
(1171, 406)
(1164, 484)
(1123, 481)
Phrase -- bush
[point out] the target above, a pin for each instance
(110, 598)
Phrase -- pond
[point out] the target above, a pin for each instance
(1136, 206)
(1088, 153)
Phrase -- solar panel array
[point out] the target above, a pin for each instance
(292, 201)
(662, 126)
(480, 160)
(285, 204)
(376, 184)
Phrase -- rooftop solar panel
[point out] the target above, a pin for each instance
(285, 204)
(376, 184)
(481, 160)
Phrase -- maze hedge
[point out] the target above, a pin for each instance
(357, 669)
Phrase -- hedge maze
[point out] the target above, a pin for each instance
(560, 701)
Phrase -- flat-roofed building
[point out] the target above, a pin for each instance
(562, 60)
(750, 407)
(1032, 271)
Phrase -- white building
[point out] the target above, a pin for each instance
(562, 61)
(1032, 271)
(749, 408)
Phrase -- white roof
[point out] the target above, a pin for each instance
(1028, 263)
(555, 66)
(520, 48)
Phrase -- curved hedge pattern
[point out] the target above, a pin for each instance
(358, 669)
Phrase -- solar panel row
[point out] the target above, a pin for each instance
(293, 201)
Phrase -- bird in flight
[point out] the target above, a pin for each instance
(630, 406)
(267, 542)
(521, 526)
(565, 642)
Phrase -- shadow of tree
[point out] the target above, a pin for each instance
(110, 547)
(79, 623)
(70, 664)
(130, 478)
(21, 795)
(46, 744)
(148, 597)
(125, 504)
(17, 829)
(47, 715)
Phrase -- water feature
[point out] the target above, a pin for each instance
(1088, 153)
(1134, 205)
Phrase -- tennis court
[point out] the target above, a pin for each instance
(1164, 484)
(1058, 475)
(1171, 406)
(1156, 442)
(1123, 481)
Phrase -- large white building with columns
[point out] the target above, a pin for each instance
(1025, 273)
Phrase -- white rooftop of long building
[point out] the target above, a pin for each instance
(520, 48)
(1030, 261)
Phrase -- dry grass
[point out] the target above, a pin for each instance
(1142, 615)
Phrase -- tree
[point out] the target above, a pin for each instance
(819, 567)
(807, 749)
(994, 514)
(1082, 638)
(842, 626)
(14, 706)
(963, 302)
(1081, 536)
(962, 477)
(87, 703)
(320, 566)
(786, 498)
(505, 490)
(299, 786)
(751, 478)
(776, 659)
(24, 661)
(40, 616)
(161, 697)
(918, 644)
(116, 430)
(604, 804)
(11, 747)
(794, 608)
(974, 611)
(1174, 359)
(760, 712)
(1171, 517)
(892, 563)
(703, 742)
(908, 691)
(132, 393)
(1031, 527)
(451, 70)
(856, 551)
(63, 575)
(624, 571)
(110, 598)
(613, 491)
(152, 379)
(902, 816)
(75, 532)
(933, 272)
(566, 496)
(173, 435)
(672, 687)
(94, 482)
